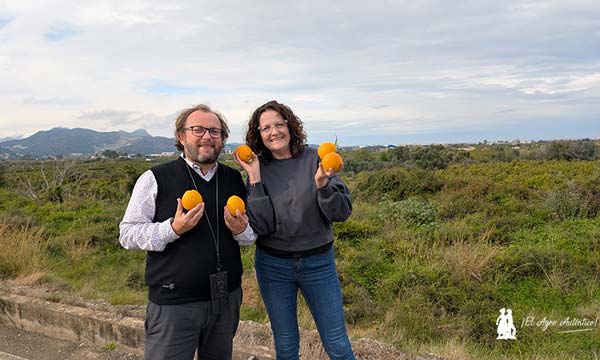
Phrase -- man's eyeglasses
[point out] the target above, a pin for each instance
(278, 126)
(199, 131)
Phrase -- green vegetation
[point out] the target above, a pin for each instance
(439, 241)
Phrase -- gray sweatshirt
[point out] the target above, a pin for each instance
(286, 209)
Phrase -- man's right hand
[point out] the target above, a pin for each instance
(185, 221)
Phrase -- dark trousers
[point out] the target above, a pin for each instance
(177, 331)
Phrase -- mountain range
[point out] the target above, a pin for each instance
(85, 142)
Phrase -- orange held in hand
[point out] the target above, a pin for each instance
(326, 148)
(190, 199)
(235, 203)
(332, 161)
(244, 152)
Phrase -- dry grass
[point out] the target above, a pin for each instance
(28, 280)
(250, 286)
(591, 311)
(252, 298)
(449, 350)
(75, 244)
(469, 260)
(22, 251)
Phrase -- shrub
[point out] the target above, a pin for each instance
(354, 231)
(366, 268)
(500, 228)
(429, 157)
(397, 184)
(461, 197)
(563, 203)
(55, 194)
(358, 304)
(558, 269)
(135, 280)
(363, 159)
(412, 212)
(570, 150)
(400, 154)
(132, 174)
(580, 199)
(2, 181)
(501, 153)
(589, 193)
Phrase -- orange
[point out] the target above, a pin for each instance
(244, 152)
(190, 199)
(332, 161)
(235, 203)
(326, 148)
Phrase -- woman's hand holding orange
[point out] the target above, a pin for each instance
(252, 167)
(322, 176)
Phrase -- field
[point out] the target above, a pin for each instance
(438, 242)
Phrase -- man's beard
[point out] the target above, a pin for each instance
(211, 158)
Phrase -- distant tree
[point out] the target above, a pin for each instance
(557, 150)
(362, 154)
(430, 157)
(111, 154)
(56, 180)
(400, 154)
(458, 156)
(384, 156)
(502, 153)
(362, 159)
(570, 150)
(584, 149)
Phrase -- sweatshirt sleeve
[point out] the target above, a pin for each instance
(335, 200)
(260, 210)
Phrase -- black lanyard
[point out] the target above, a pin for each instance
(212, 232)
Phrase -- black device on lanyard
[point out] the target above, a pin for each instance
(219, 289)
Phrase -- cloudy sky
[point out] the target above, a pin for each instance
(365, 71)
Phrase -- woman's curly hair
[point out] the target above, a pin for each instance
(297, 134)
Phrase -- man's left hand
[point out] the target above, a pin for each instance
(237, 224)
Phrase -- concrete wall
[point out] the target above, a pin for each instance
(72, 323)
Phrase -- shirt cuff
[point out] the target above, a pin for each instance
(169, 233)
(246, 237)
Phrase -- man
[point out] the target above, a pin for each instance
(193, 264)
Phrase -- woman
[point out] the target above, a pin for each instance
(292, 202)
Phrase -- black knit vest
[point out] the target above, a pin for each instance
(180, 273)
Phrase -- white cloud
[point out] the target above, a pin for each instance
(391, 67)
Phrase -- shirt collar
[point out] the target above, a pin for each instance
(196, 168)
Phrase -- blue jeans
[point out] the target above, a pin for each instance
(279, 280)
